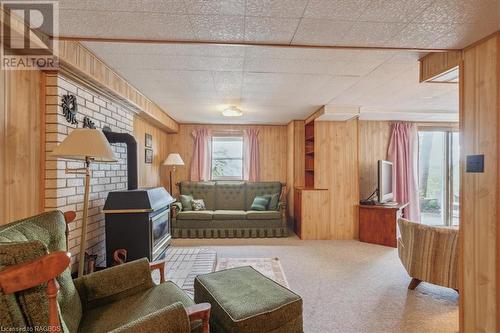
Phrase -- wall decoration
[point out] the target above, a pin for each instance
(87, 123)
(70, 108)
(148, 156)
(149, 140)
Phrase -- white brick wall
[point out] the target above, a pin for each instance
(65, 192)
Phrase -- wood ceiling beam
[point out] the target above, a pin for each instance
(291, 46)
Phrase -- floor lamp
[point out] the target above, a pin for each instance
(87, 145)
(173, 160)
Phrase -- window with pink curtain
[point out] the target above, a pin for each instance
(201, 161)
(251, 170)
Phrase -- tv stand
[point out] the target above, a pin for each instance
(378, 223)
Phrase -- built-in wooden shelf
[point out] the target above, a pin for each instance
(310, 138)
(309, 170)
(309, 154)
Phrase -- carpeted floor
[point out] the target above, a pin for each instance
(348, 286)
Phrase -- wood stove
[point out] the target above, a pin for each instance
(139, 222)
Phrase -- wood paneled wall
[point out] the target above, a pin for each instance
(479, 199)
(437, 63)
(154, 174)
(336, 169)
(273, 148)
(373, 142)
(295, 162)
(21, 149)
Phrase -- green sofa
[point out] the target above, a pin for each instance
(123, 298)
(228, 213)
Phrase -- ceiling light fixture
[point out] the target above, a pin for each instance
(232, 111)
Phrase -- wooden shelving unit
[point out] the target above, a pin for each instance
(309, 155)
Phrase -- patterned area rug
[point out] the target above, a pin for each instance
(183, 264)
(270, 267)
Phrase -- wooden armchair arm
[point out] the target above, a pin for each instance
(33, 273)
(200, 312)
(160, 265)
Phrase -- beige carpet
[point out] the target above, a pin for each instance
(348, 286)
(269, 267)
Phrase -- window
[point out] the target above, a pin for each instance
(439, 177)
(227, 157)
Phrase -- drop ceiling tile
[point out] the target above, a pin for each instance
(117, 25)
(275, 8)
(216, 7)
(420, 35)
(464, 34)
(287, 66)
(156, 6)
(336, 9)
(372, 33)
(270, 29)
(217, 27)
(227, 78)
(463, 11)
(321, 32)
(402, 11)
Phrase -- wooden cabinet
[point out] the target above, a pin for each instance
(312, 217)
(378, 224)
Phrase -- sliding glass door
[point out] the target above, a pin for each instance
(438, 165)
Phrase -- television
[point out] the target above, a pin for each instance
(384, 190)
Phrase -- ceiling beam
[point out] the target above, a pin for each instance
(291, 46)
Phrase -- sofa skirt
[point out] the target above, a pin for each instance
(229, 232)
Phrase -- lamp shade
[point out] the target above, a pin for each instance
(85, 142)
(173, 159)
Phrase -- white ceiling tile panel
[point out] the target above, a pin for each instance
(216, 7)
(336, 9)
(322, 32)
(270, 29)
(109, 24)
(154, 6)
(462, 11)
(421, 35)
(218, 27)
(275, 8)
(372, 33)
(402, 11)
(464, 34)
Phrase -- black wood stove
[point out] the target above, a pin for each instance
(137, 220)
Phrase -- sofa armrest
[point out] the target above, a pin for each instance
(171, 319)
(176, 208)
(282, 208)
(158, 265)
(114, 283)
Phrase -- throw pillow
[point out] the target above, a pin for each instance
(274, 201)
(198, 204)
(260, 203)
(186, 202)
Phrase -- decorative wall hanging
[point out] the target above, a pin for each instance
(148, 156)
(149, 140)
(70, 108)
(87, 123)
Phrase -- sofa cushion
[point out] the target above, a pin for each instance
(198, 204)
(274, 200)
(186, 202)
(263, 215)
(229, 215)
(260, 203)
(230, 196)
(254, 304)
(110, 316)
(254, 189)
(200, 190)
(195, 215)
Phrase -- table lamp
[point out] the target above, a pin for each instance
(173, 160)
(87, 145)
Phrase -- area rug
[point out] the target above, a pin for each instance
(270, 267)
(183, 264)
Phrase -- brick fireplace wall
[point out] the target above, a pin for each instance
(65, 191)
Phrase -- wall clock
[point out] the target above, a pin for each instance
(69, 107)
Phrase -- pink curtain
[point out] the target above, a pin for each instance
(251, 169)
(403, 153)
(201, 163)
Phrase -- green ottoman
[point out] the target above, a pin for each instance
(243, 300)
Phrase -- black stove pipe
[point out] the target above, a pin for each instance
(129, 140)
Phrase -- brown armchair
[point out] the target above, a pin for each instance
(123, 298)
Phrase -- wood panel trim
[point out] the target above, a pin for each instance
(434, 64)
(43, 93)
(498, 182)
(201, 42)
(318, 113)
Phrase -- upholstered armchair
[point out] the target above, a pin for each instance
(36, 288)
(429, 253)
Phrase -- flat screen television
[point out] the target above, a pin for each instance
(384, 191)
